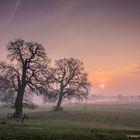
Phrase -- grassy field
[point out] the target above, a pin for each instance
(98, 122)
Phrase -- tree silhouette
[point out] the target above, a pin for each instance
(69, 80)
(27, 70)
(6, 92)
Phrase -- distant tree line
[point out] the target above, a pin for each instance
(29, 71)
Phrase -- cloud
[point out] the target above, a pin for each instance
(17, 5)
(10, 14)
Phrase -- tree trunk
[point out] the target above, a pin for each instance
(18, 105)
(58, 107)
(20, 93)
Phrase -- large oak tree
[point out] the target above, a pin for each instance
(26, 71)
(69, 80)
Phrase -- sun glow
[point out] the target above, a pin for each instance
(102, 86)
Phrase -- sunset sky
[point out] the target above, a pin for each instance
(104, 34)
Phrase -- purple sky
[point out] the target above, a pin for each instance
(104, 34)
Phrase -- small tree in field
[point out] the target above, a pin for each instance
(69, 81)
(26, 71)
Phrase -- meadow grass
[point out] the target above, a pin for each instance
(99, 122)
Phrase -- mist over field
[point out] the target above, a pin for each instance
(96, 99)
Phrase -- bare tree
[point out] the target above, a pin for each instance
(4, 84)
(8, 96)
(69, 81)
(26, 71)
(6, 92)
